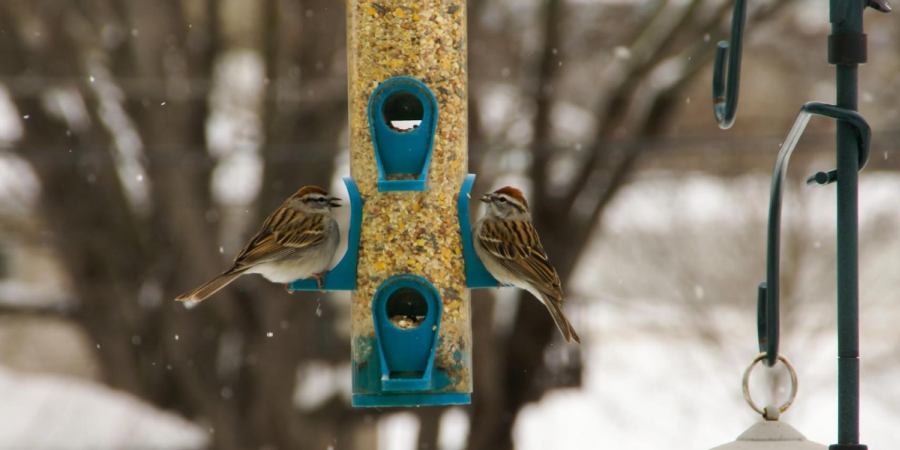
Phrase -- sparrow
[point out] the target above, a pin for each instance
(296, 241)
(508, 245)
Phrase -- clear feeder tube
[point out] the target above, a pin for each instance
(411, 232)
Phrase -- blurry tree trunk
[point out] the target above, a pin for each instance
(307, 95)
(429, 428)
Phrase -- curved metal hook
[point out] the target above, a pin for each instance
(725, 98)
(768, 294)
(864, 135)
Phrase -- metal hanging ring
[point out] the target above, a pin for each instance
(746, 384)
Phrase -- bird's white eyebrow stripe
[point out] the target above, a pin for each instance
(513, 202)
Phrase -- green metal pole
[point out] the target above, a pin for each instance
(847, 19)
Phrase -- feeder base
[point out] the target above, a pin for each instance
(372, 401)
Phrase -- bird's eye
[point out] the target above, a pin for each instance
(503, 199)
(321, 200)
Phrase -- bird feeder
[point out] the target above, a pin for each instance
(410, 260)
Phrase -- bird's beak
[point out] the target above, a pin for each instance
(334, 202)
(486, 198)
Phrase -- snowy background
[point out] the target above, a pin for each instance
(140, 144)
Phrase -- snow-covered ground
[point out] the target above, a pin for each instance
(672, 319)
(646, 392)
(40, 412)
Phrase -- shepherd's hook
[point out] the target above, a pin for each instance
(768, 294)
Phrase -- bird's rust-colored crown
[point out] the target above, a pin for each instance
(514, 193)
(306, 190)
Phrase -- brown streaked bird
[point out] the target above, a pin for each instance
(296, 241)
(506, 242)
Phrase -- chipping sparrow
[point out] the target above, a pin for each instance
(506, 242)
(296, 241)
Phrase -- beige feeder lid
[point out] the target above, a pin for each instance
(771, 435)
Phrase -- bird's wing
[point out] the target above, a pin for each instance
(284, 233)
(517, 248)
(308, 230)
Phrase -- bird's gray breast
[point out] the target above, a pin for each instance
(491, 262)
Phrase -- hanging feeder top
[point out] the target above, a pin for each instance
(771, 435)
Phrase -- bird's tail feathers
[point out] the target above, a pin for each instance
(559, 316)
(210, 288)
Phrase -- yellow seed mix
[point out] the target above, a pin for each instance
(405, 323)
(412, 232)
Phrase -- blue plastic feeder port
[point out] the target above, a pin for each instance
(400, 368)
(476, 274)
(403, 116)
(407, 355)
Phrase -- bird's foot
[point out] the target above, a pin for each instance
(499, 285)
(320, 280)
(287, 287)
